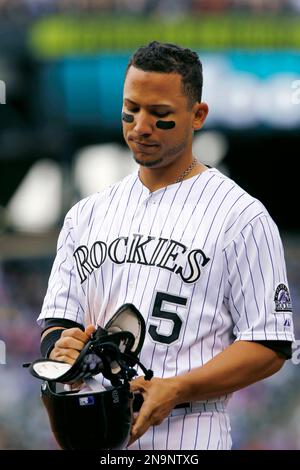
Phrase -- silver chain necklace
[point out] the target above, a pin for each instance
(187, 171)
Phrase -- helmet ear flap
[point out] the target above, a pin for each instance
(128, 318)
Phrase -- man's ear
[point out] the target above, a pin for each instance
(200, 113)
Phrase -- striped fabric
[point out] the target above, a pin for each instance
(201, 259)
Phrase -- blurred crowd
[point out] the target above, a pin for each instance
(163, 7)
(264, 416)
(24, 424)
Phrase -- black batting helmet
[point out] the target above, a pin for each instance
(92, 420)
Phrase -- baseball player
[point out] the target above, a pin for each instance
(199, 257)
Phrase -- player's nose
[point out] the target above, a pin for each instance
(143, 124)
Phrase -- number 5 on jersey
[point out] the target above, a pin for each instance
(161, 314)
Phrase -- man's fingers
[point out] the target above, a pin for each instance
(139, 427)
(72, 341)
(89, 330)
(75, 338)
(69, 342)
(65, 355)
(141, 423)
(132, 439)
(75, 333)
(138, 385)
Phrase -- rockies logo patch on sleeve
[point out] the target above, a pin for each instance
(282, 299)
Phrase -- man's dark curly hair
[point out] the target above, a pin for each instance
(170, 58)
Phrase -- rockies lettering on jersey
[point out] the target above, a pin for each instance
(163, 254)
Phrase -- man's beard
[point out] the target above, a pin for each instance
(166, 157)
(147, 164)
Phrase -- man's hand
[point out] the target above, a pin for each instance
(71, 342)
(160, 397)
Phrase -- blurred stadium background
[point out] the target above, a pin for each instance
(62, 64)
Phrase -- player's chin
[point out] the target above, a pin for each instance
(147, 159)
(147, 162)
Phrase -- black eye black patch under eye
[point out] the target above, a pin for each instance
(127, 117)
(165, 124)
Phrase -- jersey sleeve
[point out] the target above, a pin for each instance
(61, 300)
(256, 287)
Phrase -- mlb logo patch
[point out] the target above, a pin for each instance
(86, 401)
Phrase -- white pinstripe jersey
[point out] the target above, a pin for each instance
(202, 260)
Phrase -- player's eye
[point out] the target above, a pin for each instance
(133, 110)
(161, 115)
